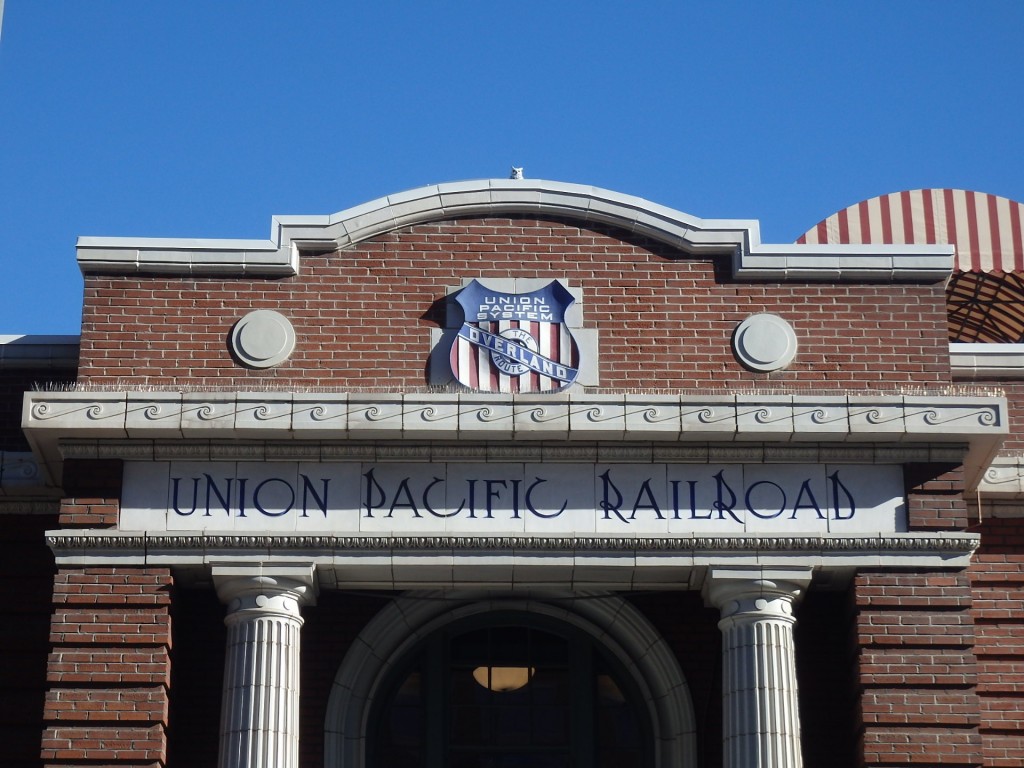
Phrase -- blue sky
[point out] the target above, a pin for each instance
(204, 119)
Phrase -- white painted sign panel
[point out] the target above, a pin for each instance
(512, 498)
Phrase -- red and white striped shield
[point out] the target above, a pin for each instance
(514, 342)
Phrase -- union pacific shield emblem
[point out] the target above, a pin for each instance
(514, 342)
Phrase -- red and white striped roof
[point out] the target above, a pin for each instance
(986, 229)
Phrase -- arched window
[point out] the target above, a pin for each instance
(509, 690)
(415, 689)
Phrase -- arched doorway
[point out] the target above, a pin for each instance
(507, 689)
(582, 678)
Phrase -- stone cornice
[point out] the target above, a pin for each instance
(739, 238)
(986, 361)
(378, 559)
(258, 418)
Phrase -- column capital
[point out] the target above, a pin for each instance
(764, 592)
(256, 588)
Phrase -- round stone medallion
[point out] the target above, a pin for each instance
(263, 338)
(764, 342)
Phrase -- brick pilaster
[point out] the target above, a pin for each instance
(109, 669)
(917, 670)
(997, 579)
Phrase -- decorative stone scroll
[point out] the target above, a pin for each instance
(165, 417)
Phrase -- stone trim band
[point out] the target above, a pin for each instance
(229, 415)
(932, 550)
(49, 417)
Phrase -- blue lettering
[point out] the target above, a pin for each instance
(837, 487)
(241, 495)
(607, 505)
(720, 504)
(645, 491)
(256, 497)
(223, 498)
(515, 498)
(533, 509)
(406, 502)
(750, 506)
(812, 503)
(426, 500)
(693, 502)
(371, 486)
(492, 493)
(174, 495)
(308, 490)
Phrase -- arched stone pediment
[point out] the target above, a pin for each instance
(739, 239)
(502, 197)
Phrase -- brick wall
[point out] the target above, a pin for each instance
(935, 498)
(331, 626)
(917, 670)
(108, 669)
(363, 315)
(997, 582)
(86, 512)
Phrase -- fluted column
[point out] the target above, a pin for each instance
(259, 724)
(761, 717)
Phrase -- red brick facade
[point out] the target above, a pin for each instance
(363, 315)
(896, 668)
